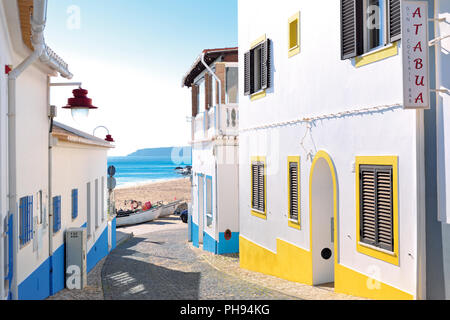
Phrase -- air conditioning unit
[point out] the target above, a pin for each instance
(76, 270)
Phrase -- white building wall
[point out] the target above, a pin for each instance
(228, 188)
(442, 10)
(73, 167)
(203, 162)
(32, 156)
(313, 83)
(4, 59)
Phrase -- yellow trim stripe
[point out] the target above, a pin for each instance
(356, 284)
(258, 95)
(258, 41)
(387, 52)
(289, 262)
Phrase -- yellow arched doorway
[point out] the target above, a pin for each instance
(323, 195)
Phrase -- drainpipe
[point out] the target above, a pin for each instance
(220, 90)
(42, 52)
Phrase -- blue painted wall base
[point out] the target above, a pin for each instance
(49, 278)
(195, 239)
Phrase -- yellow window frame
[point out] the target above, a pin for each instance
(294, 224)
(294, 50)
(371, 251)
(256, 213)
(260, 94)
(377, 55)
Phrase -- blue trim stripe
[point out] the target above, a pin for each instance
(49, 278)
(228, 246)
(98, 251)
(195, 241)
(209, 243)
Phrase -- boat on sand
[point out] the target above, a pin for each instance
(169, 209)
(129, 218)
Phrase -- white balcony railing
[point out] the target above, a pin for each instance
(209, 124)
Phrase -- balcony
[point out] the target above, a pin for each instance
(210, 124)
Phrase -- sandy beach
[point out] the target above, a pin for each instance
(166, 191)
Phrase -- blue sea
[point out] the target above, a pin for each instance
(134, 170)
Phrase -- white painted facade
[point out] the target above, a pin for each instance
(73, 166)
(442, 29)
(5, 57)
(32, 144)
(215, 148)
(318, 103)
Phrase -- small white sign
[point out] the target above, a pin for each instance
(416, 82)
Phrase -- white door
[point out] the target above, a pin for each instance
(322, 224)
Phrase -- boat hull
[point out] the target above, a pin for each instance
(139, 218)
(169, 209)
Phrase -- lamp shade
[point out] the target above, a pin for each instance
(109, 138)
(80, 100)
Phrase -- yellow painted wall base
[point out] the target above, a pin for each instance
(356, 284)
(290, 262)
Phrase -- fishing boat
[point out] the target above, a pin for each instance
(133, 217)
(169, 209)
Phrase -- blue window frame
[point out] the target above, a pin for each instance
(56, 214)
(26, 220)
(74, 203)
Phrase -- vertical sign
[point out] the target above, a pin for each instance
(416, 85)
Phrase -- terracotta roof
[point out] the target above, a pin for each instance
(69, 134)
(210, 56)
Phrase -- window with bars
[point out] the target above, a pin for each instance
(56, 214)
(257, 68)
(294, 190)
(26, 220)
(367, 25)
(258, 187)
(376, 206)
(74, 203)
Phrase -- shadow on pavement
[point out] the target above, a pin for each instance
(126, 277)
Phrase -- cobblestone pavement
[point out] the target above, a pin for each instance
(161, 266)
(229, 264)
(93, 290)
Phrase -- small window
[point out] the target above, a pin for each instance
(374, 24)
(294, 35)
(96, 203)
(88, 210)
(103, 199)
(368, 25)
(209, 207)
(56, 214)
(201, 96)
(74, 204)
(257, 68)
(232, 78)
(26, 220)
(258, 187)
(294, 191)
(376, 206)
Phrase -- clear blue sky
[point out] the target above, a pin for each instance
(131, 55)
